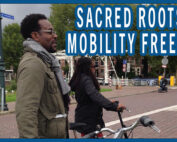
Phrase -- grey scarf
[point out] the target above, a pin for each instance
(51, 59)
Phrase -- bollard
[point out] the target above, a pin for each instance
(159, 78)
(172, 80)
(2, 99)
(117, 87)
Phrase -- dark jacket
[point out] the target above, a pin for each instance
(163, 82)
(90, 104)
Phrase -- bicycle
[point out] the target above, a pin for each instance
(119, 133)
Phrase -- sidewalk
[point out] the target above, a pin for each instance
(124, 91)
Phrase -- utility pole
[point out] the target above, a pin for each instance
(106, 70)
(2, 71)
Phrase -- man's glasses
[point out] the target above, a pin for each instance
(51, 31)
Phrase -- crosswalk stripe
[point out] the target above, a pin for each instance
(142, 114)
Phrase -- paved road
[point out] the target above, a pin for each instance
(153, 103)
(165, 119)
(138, 102)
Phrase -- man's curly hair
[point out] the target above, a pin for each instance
(30, 24)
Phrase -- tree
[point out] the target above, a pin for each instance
(156, 66)
(12, 46)
(172, 66)
(118, 66)
(62, 18)
(145, 66)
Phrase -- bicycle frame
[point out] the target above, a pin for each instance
(119, 133)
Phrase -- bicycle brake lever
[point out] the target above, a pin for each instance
(121, 110)
(155, 128)
(128, 110)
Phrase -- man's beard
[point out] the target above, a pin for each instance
(51, 50)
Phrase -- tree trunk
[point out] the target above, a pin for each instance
(176, 77)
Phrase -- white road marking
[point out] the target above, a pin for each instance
(172, 109)
(142, 114)
(174, 87)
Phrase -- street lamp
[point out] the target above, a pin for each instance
(3, 104)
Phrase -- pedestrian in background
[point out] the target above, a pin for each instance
(42, 94)
(89, 100)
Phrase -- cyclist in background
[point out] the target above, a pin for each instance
(89, 100)
(163, 84)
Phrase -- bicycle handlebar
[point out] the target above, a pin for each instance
(144, 121)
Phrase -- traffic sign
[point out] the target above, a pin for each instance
(124, 69)
(124, 61)
(124, 65)
(164, 66)
(128, 67)
(164, 61)
(7, 16)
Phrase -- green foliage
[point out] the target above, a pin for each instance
(12, 45)
(131, 74)
(62, 18)
(66, 69)
(11, 97)
(105, 90)
(153, 74)
(156, 66)
(118, 66)
(12, 86)
(172, 66)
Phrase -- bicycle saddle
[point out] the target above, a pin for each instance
(76, 126)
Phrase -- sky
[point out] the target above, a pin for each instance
(19, 11)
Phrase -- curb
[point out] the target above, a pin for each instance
(74, 102)
(6, 112)
(133, 94)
